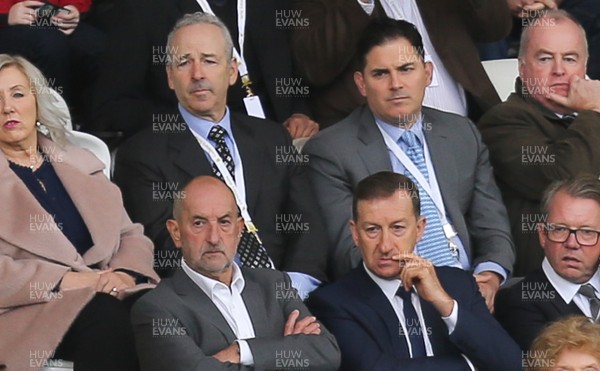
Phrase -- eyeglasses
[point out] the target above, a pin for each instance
(560, 233)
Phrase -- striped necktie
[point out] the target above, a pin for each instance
(433, 245)
(589, 292)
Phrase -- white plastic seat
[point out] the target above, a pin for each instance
(502, 74)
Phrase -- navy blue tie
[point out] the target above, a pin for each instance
(413, 325)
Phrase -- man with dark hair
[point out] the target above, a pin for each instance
(246, 152)
(442, 152)
(396, 311)
(214, 315)
(547, 130)
(568, 281)
(325, 52)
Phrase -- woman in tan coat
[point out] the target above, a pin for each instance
(70, 257)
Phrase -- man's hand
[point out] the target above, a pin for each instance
(583, 95)
(67, 21)
(489, 283)
(301, 126)
(230, 354)
(114, 283)
(420, 273)
(23, 13)
(307, 325)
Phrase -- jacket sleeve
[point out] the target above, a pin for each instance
(360, 349)
(314, 352)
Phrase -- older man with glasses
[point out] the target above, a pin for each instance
(568, 281)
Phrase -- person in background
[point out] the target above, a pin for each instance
(547, 130)
(55, 37)
(572, 344)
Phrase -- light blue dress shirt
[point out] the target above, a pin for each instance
(302, 282)
(395, 132)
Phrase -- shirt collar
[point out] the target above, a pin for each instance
(566, 289)
(201, 126)
(395, 132)
(389, 287)
(209, 285)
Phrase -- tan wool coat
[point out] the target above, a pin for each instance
(35, 254)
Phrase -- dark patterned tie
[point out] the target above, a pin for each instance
(413, 325)
(588, 291)
(217, 135)
(252, 253)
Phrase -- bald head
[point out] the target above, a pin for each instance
(199, 189)
(207, 227)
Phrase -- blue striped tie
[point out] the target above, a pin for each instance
(433, 244)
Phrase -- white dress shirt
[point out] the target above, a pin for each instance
(389, 289)
(230, 303)
(444, 93)
(569, 291)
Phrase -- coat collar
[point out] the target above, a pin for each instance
(26, 218)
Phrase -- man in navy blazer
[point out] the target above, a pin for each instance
(450, 327)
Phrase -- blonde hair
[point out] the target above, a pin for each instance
(48, 113)
(570, 333)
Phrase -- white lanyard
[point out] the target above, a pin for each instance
(434, 193)
(237, 188)
(241, 21)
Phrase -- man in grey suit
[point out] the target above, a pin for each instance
(214, 315)
(467, 225)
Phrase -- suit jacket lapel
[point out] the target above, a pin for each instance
(201, 304)
(253, 298)
(445, 169)
(371, 147)
(188, 155)
(558, 303)
(371, 295)
(247, 143)
(434, 323)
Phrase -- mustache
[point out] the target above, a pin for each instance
(200, 84)
(213, 248)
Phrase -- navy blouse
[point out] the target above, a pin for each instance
(49, 191)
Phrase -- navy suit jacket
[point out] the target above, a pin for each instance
(527, 307)
(362, 319)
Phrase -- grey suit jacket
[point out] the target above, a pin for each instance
(344, 154)
(178, 328)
